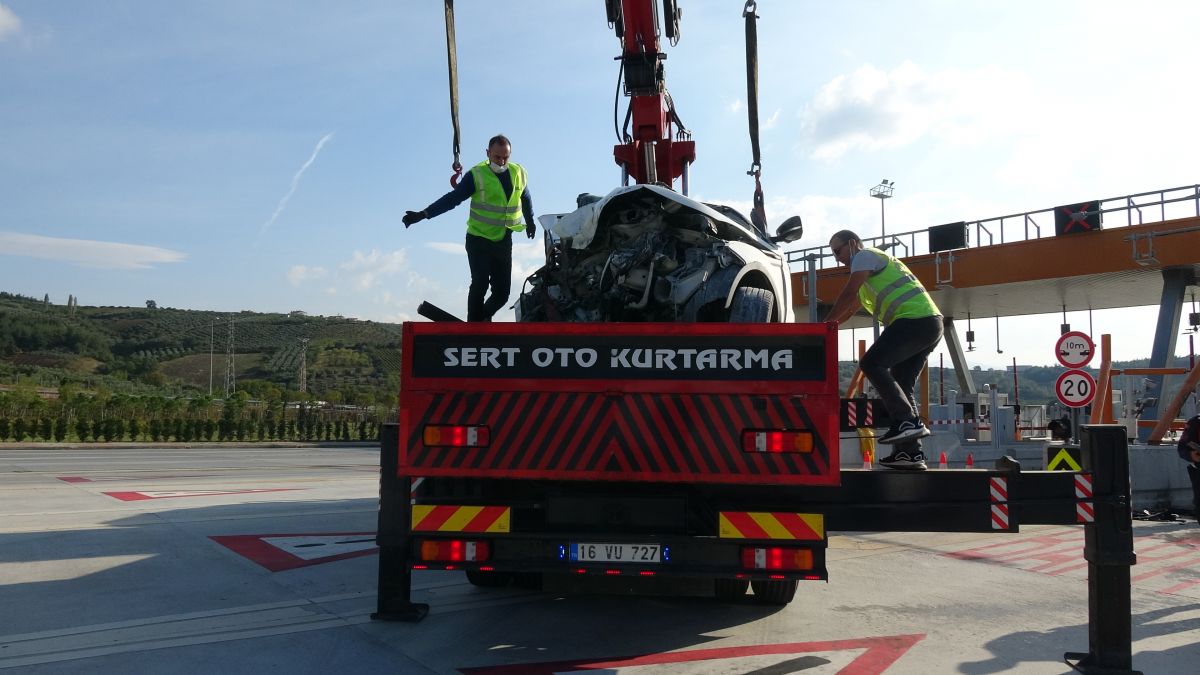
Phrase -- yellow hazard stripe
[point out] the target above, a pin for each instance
(1064, 457)
(762, 525)
(444, 518)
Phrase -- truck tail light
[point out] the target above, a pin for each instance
(776, 558)
(455, 436)
(777, 441)
(454, 550)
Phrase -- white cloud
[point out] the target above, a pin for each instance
(295, 183)
(447, 247)
(871, 109)
(298, 274)
(85, 252)
(10, 23)
(365, 269)
(825, 214)
(773, 120)
(736, 106)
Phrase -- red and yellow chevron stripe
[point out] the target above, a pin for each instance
(759, 525)
(493, 519)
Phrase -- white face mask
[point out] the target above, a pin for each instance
(496, 168)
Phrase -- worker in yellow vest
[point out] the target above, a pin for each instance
(499, 194)
(886, 288)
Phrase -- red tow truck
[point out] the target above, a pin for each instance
(620, 449)
(705, 450)
(702, 450)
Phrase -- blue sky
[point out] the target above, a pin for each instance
(259, 155)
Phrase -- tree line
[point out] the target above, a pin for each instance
(100, 416)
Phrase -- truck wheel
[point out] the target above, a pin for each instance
(774, 591)
(488, 579)
(530, 581)
(730, 589)
(751, 305)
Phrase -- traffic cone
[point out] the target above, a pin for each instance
(970, 461)
(942, 461)
(866, 441)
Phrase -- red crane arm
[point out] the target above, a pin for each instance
(650, 154)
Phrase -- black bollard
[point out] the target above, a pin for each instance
(394, 594)
(1108, 549)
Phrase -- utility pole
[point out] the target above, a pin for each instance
(882, 192)
(303, 365)
(230, 384)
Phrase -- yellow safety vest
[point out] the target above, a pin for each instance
(895, 293)
(491, 210)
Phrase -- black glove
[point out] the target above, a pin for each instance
(411, 217)
(531, 230)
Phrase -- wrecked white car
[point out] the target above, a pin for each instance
(647, 253)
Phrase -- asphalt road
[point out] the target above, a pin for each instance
(258, 560)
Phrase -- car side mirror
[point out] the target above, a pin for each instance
(789, 230)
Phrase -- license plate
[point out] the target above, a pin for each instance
(623, 553)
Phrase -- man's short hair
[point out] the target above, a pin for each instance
(846, 236)
(499, 139)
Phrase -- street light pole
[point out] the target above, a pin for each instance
(881, 192)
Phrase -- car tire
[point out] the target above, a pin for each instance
(774, 591)
(730, 589)
(751, 305)
(530, 581)
(489, 579)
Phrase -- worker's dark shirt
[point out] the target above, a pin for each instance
(466, 187)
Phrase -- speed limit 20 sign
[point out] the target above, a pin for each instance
(1075, 388)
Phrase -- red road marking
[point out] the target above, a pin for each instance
(1179, 587)
(115, 479)
(1060, 553)
(881, 653)
(255, 548)
(175, 494)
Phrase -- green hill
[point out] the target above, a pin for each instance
(179, 352)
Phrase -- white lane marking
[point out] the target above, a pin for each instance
(312, 547)
(166, 631)
(235, 623)
(63, 569)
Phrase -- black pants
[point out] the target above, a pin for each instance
(1194, 475)
(491, 266)
(893, 363)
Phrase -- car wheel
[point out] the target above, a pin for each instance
(774, 591)
(488, 579)
(751, 305)
(530, 581)
(730, 589)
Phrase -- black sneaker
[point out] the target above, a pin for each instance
(909, 461)
(906, 430)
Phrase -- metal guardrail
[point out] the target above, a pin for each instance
(999, 230)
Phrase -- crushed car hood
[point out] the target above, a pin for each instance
(580, 225)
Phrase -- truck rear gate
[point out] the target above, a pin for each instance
(688, 403)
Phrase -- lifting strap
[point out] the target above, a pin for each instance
(452, 65)
(758, 214)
